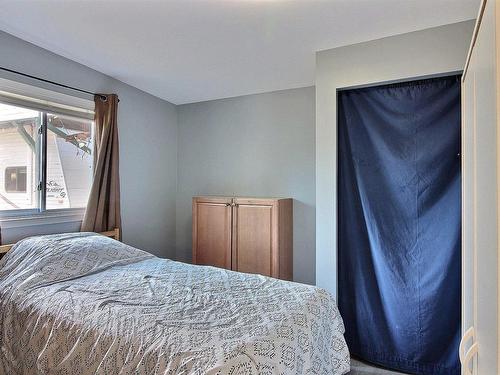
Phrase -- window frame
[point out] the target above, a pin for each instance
(33, 92)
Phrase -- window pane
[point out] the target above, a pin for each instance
(15, 179)
(69, 161)
(18, 150)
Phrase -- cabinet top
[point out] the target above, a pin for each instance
(227, 197)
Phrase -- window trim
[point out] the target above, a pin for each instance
(43, 100)
(32, 217)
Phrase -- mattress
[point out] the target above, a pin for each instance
(86, 304)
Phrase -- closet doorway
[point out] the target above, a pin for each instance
(399, 224)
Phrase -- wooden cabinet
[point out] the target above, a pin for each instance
(212, 232)
(252, 235)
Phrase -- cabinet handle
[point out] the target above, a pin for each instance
(228, 204)
(468, 357)
(469, 334)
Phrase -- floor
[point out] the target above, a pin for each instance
(362, 368)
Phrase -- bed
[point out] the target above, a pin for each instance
(83, 303)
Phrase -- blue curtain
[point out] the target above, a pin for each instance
(399, 229)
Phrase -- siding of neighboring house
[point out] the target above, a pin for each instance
(57, 196)
(15, 152)
(77, 168)
(66, 187)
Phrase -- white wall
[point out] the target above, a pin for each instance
(418, 54)
(255, 145)
(148, 146)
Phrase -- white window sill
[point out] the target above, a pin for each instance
(22, 219)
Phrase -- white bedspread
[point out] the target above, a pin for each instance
(84, 304)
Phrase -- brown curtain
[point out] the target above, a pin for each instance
(103, 207)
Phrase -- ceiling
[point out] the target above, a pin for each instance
(194, 50)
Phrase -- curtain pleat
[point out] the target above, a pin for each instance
(103, 208)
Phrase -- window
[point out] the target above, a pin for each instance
(15, 179)
(45, 154)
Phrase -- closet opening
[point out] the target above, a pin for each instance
(399, 223)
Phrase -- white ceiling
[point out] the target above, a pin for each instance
(188, 51)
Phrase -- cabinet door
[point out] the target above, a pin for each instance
(255, 237)
(212, 232)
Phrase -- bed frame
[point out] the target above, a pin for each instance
(115, 234)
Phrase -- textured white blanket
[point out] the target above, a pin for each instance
(85, 304)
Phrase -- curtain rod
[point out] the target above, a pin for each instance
(103, 97)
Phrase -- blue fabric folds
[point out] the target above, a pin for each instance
(399, 228)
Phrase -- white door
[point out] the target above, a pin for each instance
(480, 283)
(468, 213)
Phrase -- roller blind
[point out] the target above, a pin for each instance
(36, 98)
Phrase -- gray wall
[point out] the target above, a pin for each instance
(419, 54)
(256, 145)
(148, 140)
